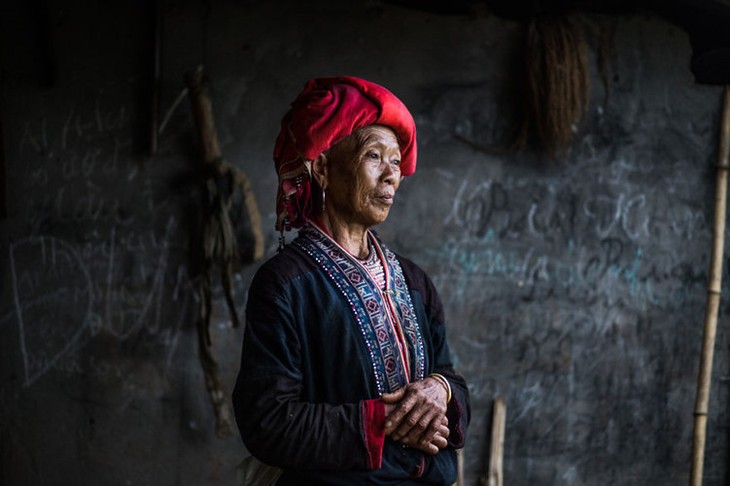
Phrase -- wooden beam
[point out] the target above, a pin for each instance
(3, 175)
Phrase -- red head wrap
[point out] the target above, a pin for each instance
(324, 113)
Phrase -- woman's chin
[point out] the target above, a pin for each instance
(375, 218)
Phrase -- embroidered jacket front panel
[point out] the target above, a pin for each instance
(385, 316)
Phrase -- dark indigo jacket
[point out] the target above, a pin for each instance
(305, 379)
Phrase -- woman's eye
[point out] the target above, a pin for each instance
(396, 162)
(374, 155)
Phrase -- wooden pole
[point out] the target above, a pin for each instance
(459, 468)
(713, 299)
(495, 475)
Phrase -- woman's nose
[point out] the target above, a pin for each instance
(391, 171)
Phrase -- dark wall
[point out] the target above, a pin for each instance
(575, 289)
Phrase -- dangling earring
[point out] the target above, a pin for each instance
(324, 196)
(282, 239)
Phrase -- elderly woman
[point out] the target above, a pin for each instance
(346, 377)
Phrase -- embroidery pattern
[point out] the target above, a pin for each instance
(369, 308)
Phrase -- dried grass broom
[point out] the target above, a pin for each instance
(555, 97)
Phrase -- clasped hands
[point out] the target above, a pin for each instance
(416, 415)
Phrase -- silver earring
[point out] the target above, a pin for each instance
(324, 196)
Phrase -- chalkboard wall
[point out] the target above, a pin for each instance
(575, 288)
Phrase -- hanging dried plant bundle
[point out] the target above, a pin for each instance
(230, 220)
(229, 210)
(556, 84)
(226, 187)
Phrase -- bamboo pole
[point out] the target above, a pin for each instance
(713, 298)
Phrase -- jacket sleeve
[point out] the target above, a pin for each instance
(458, 411)
(276, 425)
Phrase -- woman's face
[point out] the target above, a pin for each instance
(363, 177)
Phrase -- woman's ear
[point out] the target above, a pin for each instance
(319, 170)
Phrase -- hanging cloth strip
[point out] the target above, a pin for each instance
(386, 317)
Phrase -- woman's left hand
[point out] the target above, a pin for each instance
(417, 415)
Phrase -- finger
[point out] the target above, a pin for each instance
(394, 397)
(444, 431)
(415, 424)
(395, 419)
(439, 441)
(391, 400)
(439, 429)
(428, 448)
(426, 433)
(439, 438)
(407, 423)
(423, 434)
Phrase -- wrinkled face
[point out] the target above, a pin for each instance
(363, 176)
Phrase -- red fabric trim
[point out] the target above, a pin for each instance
(373, 413)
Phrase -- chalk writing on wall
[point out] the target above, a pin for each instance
(551, 241)
(558, 291)
(76, 165)
(65, 294)
(105, 256)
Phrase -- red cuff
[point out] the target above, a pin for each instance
(373, 417)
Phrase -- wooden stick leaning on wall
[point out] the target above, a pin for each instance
(220, 245)
(713, 299)
(495, 474)
(499, 415)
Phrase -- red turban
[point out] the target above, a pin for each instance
(324, 113)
